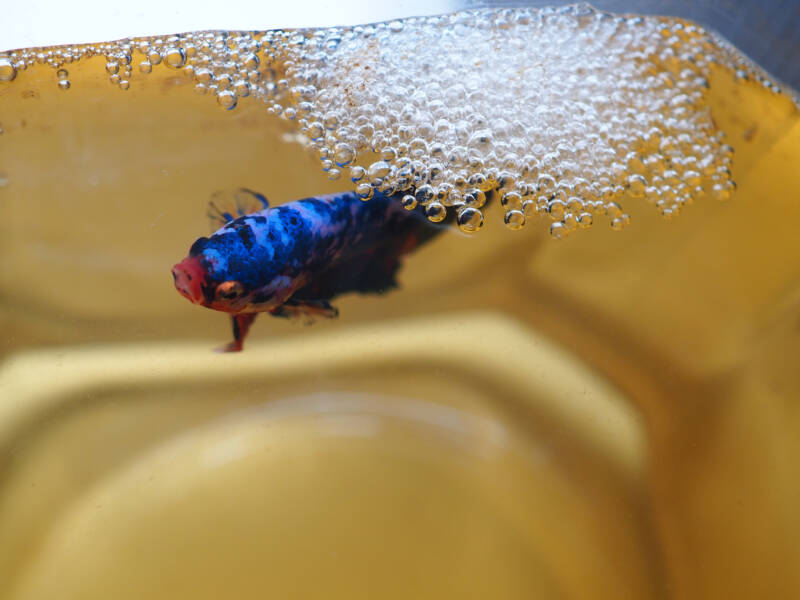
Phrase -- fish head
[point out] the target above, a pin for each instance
(219, 275)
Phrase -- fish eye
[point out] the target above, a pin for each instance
(229, 290)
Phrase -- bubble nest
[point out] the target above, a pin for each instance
(566, 113)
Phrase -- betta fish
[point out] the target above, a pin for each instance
(290, 261)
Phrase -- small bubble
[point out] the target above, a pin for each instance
(557, 208)
(585, 220)
(64, 84)
(7, 70)
(251, 61)
(380, 169)
(145, 67)
(613, 210)
(224, 82)
(316, 131)
(112, 67)
(514, 219)
(408, 202)
(124, 84)
(227, 99)
(474, 198)
(334, 174)
(511, 201)
(62, 74)
(174, 57)
(241, 88)
(388, 154)
(557, 230)
(722, 191)
(424, 194)
(364, 191)
(357, 173)
(636, 186)
(343, 154)
(435, 212)
(470, 220)
(203, 76)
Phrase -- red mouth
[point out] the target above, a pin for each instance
(189, 275)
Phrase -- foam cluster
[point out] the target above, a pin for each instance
(557, 113)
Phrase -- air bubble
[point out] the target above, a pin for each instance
(557, 230)
(514, 219)
(227, 100)
(379, 169)
(364, 191)
(613, 210)
(64, 84)
(7, 70)
(435, 212)
(174, 58)
(474, 198)
(343, 154)
(585, 220)
(636, 186)
(424, 195)
(408, 202)
(470, 220)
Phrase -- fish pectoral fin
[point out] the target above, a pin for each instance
(224, 207)
(306, 309)
(241, 325)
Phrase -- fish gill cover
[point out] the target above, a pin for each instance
(561, 112)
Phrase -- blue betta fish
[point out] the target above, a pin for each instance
(292, 260)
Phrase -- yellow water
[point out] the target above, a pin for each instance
(613, 416)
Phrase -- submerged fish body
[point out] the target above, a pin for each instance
(291, 260)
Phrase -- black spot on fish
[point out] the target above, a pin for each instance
(209, 291)
(197, 247)
(246, 235)
(259, 219)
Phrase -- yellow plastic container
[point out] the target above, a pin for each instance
(612, 416)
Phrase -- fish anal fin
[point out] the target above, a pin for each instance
(306, 309)
(224, 207)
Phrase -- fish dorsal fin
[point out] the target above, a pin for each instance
(224, 207)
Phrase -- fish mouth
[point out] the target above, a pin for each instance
(189, 275)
